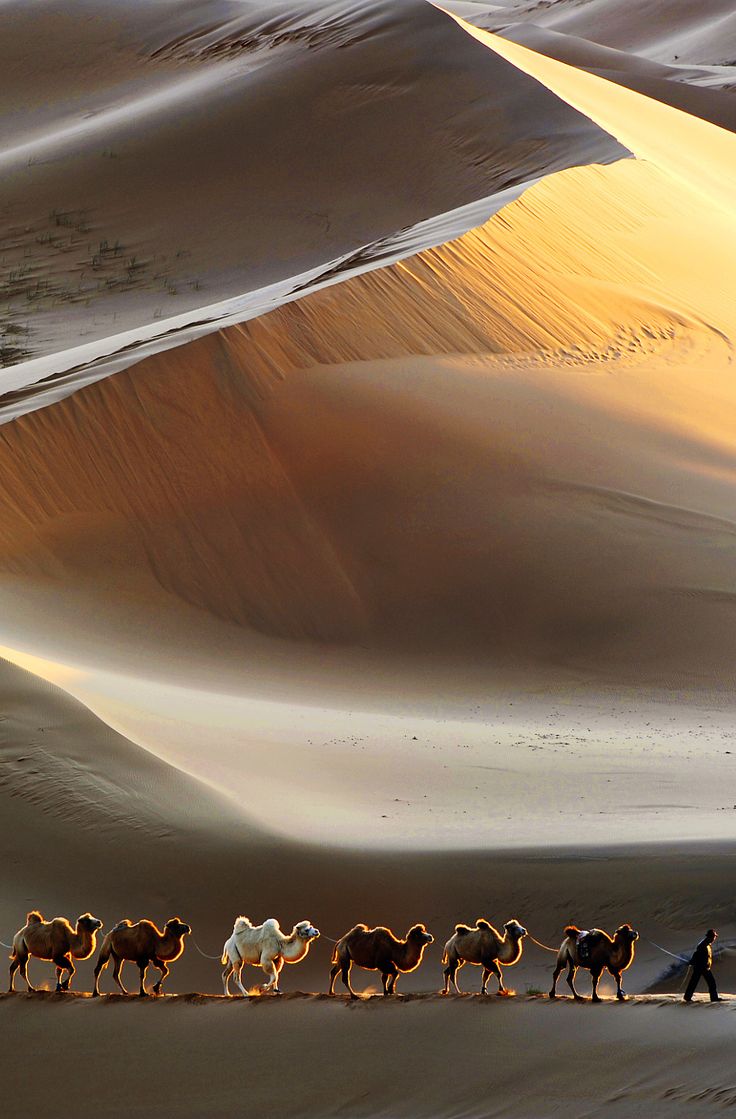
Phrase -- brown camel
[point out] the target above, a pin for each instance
(485, 946)
(378, 950)
(143, 944)
(53, 940)
(596, 951)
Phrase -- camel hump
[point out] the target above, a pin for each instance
(34, 918)
(485, 925)
(572, 930)
(463, 929)
(124, 924)
(241, 924)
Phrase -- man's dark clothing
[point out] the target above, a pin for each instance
(701, 962)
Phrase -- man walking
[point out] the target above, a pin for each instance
(701, 962)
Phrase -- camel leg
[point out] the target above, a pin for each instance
(389, 979)
(269, 967)
(226, 978)
(451, 976)
(64, 963)
(237, 970)
(595, 976)
(118, 962)
(347, 965)
(493, 968)
(487, 973)
(164, 972)
(99, 968)
(142, 967)
(278, 966)
(19, 963)
(570, 977)
(555, 976)
(333, 976)
(14, 965)
(24, 972)
(620, 993)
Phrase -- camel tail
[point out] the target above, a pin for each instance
(224, 959)
(34, 918)
(445, 957)
(572, 930)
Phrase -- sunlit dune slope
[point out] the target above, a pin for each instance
(559, 485)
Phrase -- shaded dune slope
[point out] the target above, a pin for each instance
(90, 821)
(396, 1058)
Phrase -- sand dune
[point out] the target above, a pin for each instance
(394, 567)
(229, 471)
(329, 564)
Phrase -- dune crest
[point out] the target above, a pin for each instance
(693, 151)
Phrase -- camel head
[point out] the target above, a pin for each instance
(625, 934)
(176, 927)
(418, 933)
(514, 930)
(89, 923)
(306, 930)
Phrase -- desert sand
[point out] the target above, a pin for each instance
(367, 539)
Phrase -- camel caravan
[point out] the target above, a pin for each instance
(269, 948)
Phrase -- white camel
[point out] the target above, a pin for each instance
(266, 945)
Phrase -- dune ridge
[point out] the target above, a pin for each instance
(107, 276)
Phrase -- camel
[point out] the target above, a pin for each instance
(485, 946)
(53, 940)
(266, 945)
(142, 944)
(378, 950)
(596, 953)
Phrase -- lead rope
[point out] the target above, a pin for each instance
(682, 959)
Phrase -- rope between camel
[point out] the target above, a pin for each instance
(6, 945)
(540, 945)
(205, 954)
